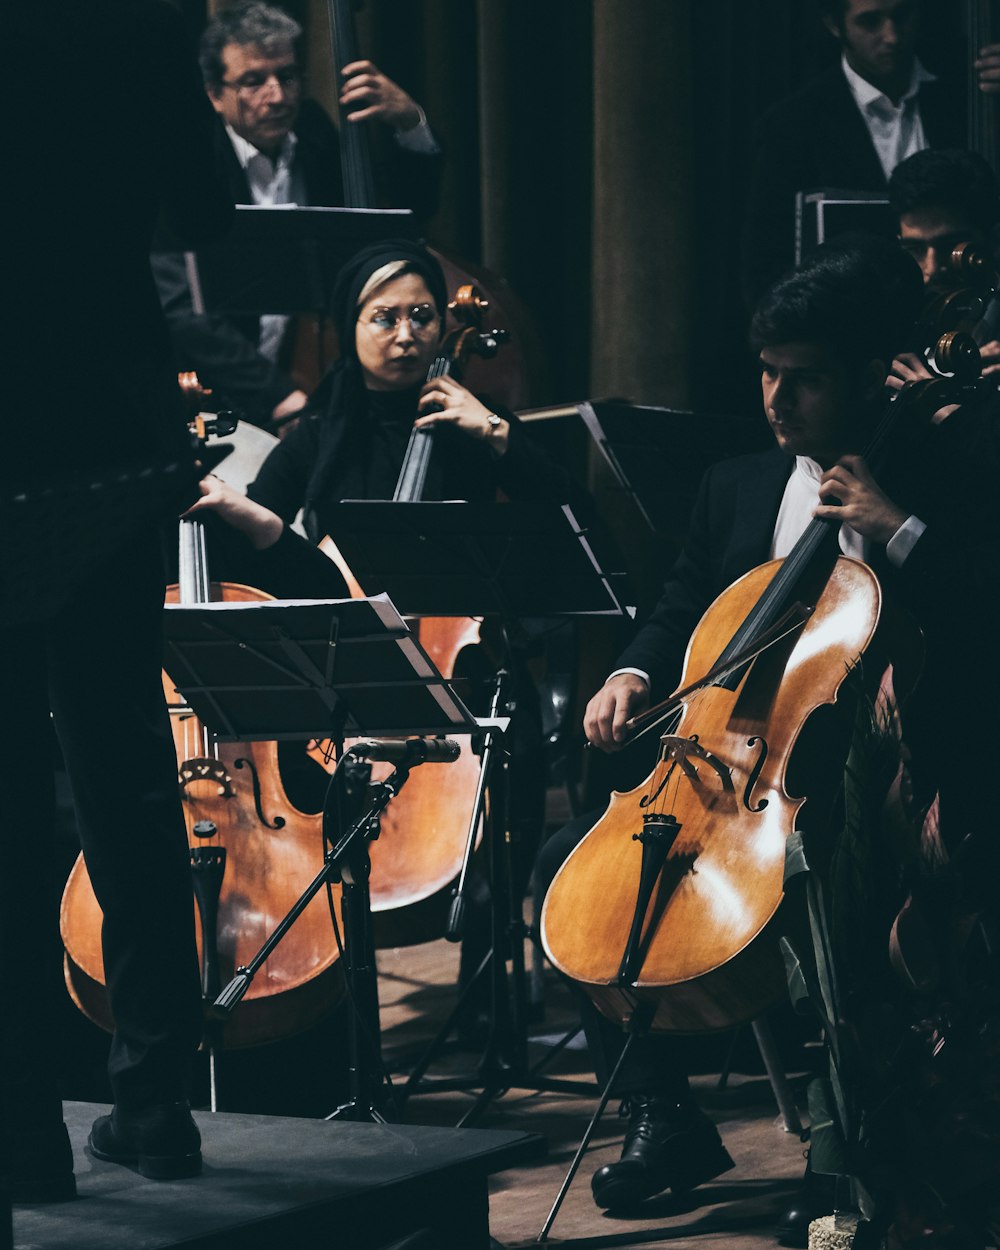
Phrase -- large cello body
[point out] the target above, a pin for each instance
(422, 843)
(700, 948)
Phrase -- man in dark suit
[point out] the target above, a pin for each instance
(846, 129)
(825, 337)
(96, 454)
(278, 147)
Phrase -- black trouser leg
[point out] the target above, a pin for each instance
(102, 656)
(31, 963)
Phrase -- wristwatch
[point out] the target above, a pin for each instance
(495, 421)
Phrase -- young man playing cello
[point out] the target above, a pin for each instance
(826, 336)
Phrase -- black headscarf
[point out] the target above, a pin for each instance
(341, 404)
(355, 273)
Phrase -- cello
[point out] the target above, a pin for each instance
(666, 907)
(252, 853)
(427, 830)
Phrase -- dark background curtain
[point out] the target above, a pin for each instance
(598, 152)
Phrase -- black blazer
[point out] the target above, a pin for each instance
(89, 379)
(817, 138)
(222, 350)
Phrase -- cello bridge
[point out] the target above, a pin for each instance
(205, 770)
(681, 751)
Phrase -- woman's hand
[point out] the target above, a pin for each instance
(262, 526)
(460, 407)
(862, 504)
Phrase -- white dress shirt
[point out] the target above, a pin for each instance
(897, 131)
(272, 183)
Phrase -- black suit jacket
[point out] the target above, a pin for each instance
(813, 139)
(89, 380)
(90, 391)
(222, 350)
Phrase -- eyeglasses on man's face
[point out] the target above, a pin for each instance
(255, 84)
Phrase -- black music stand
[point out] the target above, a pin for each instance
(478, 559)
(284, 669)
(284, 260)
(482, 559)
(824, 213)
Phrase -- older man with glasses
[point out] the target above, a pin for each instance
(279, 147)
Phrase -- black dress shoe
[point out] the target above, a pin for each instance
(41, 1165)
(162, 1141)
(815, 1197)
(667, 1146)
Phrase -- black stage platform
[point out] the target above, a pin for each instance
(285, 1184)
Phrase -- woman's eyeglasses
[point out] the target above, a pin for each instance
(423, 319)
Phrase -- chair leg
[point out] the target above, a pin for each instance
(584, 1142)
(776, 1075)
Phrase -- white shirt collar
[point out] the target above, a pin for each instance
(245, 150)
(808, 468)
(866, 95)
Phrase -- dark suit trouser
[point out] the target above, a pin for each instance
(653, 1064)
(97, 664)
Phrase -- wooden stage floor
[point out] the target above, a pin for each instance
(737, 1211)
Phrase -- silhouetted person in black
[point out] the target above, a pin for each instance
(118, 131)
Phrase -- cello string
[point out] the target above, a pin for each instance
(661, 788)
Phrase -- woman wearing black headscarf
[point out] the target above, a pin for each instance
(389, 305)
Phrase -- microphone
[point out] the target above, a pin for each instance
(410, 752)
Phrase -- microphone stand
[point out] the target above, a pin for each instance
(347, 860)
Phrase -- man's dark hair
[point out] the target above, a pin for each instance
(858, 295)
(950, 178)
(833, 10)
(247, 24)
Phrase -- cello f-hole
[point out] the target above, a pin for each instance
(279, 821)
(754, 774)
